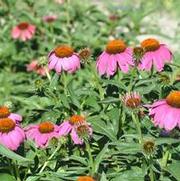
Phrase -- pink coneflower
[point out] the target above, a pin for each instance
(49, 18)
(5, 113)
(34, 66)
(42, 133)
(166, 112)
(23, 31)
(77, 127)
(11, 135)
(64, 58)
(154, 54)
(131, 100)
(116, 55)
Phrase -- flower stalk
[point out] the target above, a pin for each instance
(91, 161)
(138, 126)
(49, 159)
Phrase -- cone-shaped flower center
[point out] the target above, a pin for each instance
(63, 51)
(150, 44)
(115, 46)
(4, 112)
(85, 178)
(85, 53)
(23, 25)
(149, 146)
(6, 125)
(83, 130)
(173, 99)
(132, 100)
(46, 127)
(77, 119)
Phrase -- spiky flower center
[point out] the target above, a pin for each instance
(131, 100)
(6, 125)
(149, 146)
(115, 46)
(85, 53)
(23, 25)
(85, 178)
(173, 99)
(150, 44)
(77, 120)
(4, 112)
(46, 127)
(63, 51)
(82, 130)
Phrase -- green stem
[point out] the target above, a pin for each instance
(151, 174)
(17, 172)
(138, 126)
(48, 160)
(165, 159)
(91, 161)
(48, 75)
(64, 83)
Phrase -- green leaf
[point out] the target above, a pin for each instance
(135, 174)
(33, 178)
(174, 170)
(100, 127)
(12, 155)
(127, 148)
(100, 157)
(7, 177)
(103, 177)
(160, 141)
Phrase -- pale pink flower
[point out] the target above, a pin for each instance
(154, 54)
(116, 55)
(23, 31)
(11, 134)
(63, 58)
(34, 66)
(42, 133)
(49, 18)
(77, 127)
(5, 113)
(166, 112)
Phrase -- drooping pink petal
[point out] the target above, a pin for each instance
(28, 35)
(158, 62)
(58, 67)
(112, 65)
(15, 33)
(32, 29)
(165, 53)
(65, 128)
(102, 63)
(53, 60)
(23, 36)
(75, 137)
(16, 117)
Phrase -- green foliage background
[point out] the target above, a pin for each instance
(115, 148)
